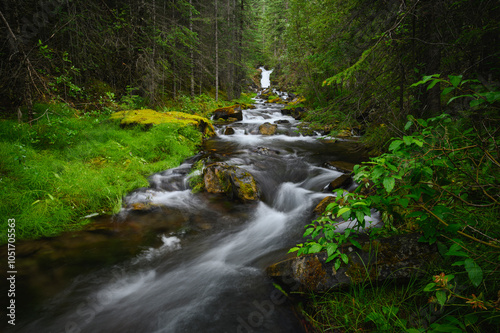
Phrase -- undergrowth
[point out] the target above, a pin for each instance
(63, 167)
(440, 178)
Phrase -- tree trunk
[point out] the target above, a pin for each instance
(216, 53)
(192, 47)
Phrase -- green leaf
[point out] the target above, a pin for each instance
(408, 140)
(344, 258)
(453, 228)
(395, 145)
(377, 172)
(476, 102)
(433, 83)
(337, 264)
(430, 287)
(331, 248)
(343, 210)
(404, 202)
(471, 319)
(454, 98)
(455, 80)
(418, 142)
(330, 206)
(356, 243)
(360, 216)
(389, 183)
(308, 232)
(475, 272)
(425, 79)
(408, 125)
(293, 249)
(447, 90)
(441, 297)
(422, 122)
(458, 263)
(315, 248)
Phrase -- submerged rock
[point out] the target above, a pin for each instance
(266, 151)
(383, 259)
(268, 129)
(233, 181)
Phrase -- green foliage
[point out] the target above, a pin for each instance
(456, 84)
(62, 168)
(442, 180)
(196, 181)
(363, 308)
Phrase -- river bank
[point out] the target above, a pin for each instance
(64, 168)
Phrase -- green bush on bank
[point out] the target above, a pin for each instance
(63, 167)
(440, 178)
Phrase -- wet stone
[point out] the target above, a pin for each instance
(268, 129)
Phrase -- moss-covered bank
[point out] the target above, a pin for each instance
(65, 166)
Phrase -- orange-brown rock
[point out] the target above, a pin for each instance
(268, 129)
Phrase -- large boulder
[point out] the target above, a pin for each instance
(268, 129)
(232, 181)
(228, 112)
(392, 258)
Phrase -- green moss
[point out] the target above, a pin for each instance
(55, 172)
(149, 117)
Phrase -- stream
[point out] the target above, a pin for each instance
(193, 262)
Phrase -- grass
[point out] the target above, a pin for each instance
(65, 167)
(367, 308)
(407, 306)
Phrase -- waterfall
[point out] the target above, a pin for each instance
(265, 81)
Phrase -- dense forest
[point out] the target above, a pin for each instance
(418, 80)
(79, 50)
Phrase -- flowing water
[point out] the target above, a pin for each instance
(194, 262)
(265, 81)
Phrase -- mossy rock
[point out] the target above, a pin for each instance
(276, 100)
(149, 117)
(233, 111)
(268, 129)
(297, 100)
(232, 181)
(398, 257)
